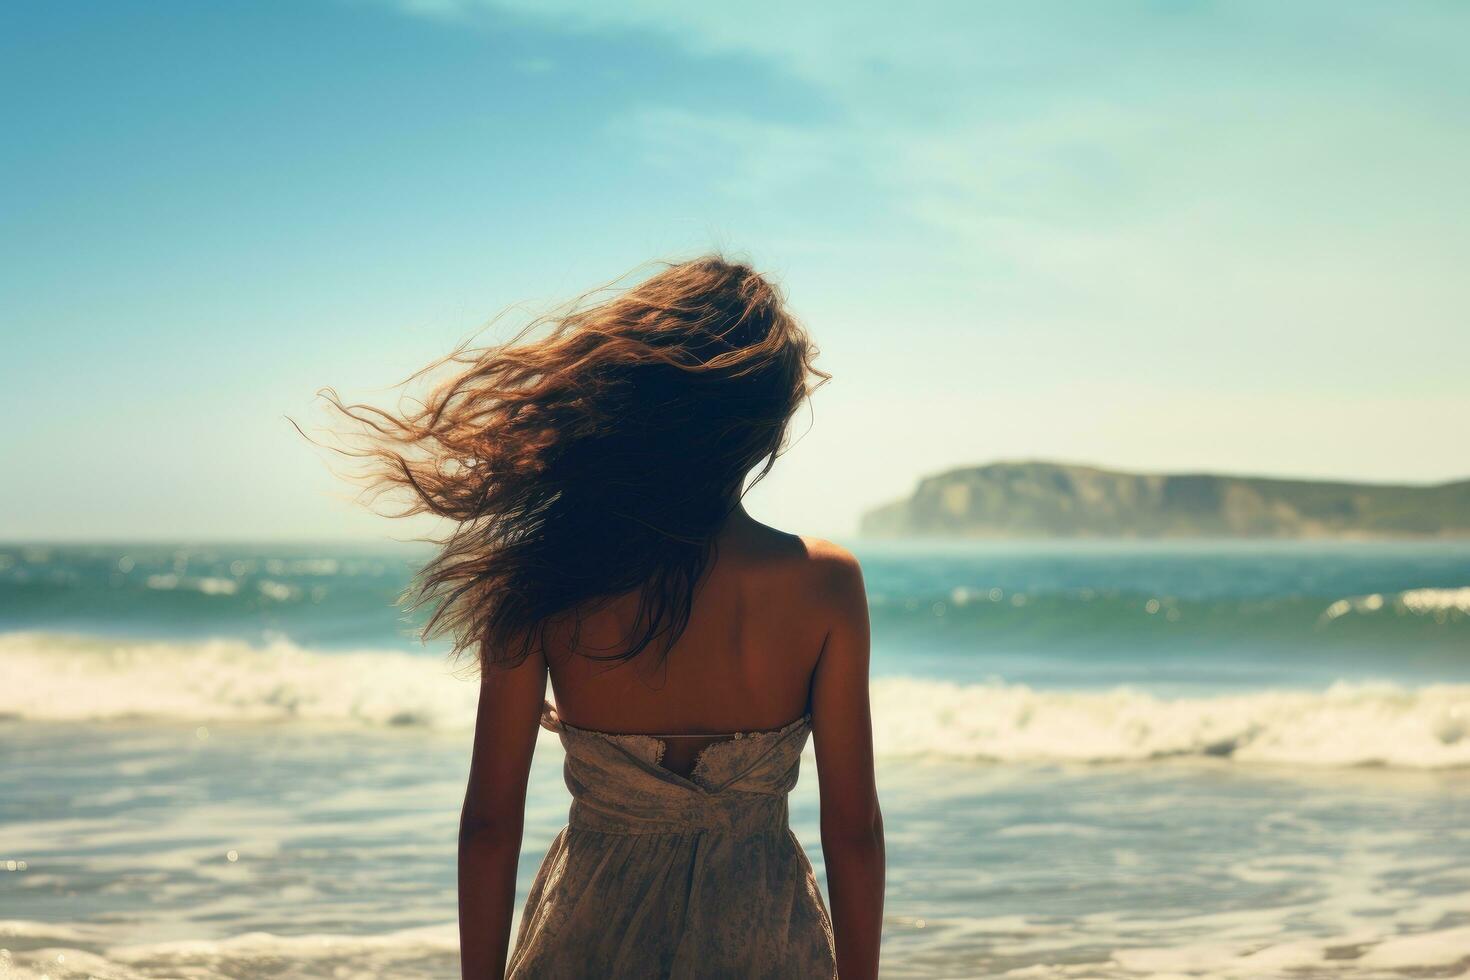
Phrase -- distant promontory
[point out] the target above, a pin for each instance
(1058, 500)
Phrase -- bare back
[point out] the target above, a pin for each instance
(745, 662)
(778, 633)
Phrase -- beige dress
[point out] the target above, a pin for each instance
(658, 875)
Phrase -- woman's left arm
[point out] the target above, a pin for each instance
(494, 813)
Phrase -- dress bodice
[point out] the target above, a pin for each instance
(738, 785)
(683, 877)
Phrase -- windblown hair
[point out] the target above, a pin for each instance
(593, 456)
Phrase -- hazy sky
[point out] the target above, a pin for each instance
(1157, 235)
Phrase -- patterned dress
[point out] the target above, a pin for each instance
(659, 875)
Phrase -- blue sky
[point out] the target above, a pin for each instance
(1218, 236)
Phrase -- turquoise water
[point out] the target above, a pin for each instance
(1244, 759)
(1054, 614)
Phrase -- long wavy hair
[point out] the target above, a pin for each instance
(593, 456)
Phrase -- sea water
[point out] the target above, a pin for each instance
(1245, 759)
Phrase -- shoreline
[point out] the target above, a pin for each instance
(343, 845)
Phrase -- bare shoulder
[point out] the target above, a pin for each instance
(802, 567)
(829, 558)
(835, 574)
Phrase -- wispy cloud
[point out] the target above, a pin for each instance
(743, 157)
(1065, 116)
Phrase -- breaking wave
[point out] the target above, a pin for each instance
(64, 678)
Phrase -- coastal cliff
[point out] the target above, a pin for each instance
(1037, 499)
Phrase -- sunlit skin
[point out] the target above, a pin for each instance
(779, 627)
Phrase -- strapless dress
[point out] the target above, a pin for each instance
(658, 875)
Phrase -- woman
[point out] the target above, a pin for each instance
(595, 467)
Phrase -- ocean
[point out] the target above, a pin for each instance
(1134, 760)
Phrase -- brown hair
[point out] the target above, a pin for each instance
(594, 455)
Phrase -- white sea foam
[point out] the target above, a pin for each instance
(1438, 953)
(1432, 600)
(408, 952)
(1345, 725)
(278, 591)
(74, 953)
(209, 585)
(1438, 603)
(57, 677)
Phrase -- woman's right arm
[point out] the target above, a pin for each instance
(852, 825)
(494, 813)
